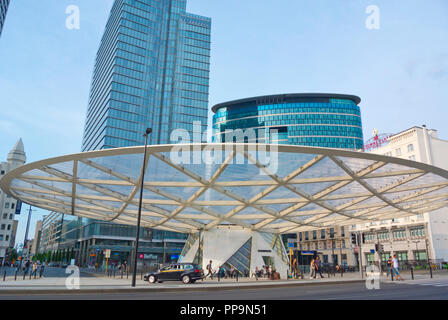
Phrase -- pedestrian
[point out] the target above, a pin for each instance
(41, 271)
(312, 269)
(125, 266)
(35, 267)
(396, 268)
(389, 266)
(27, 266)
(209, 270)
(317, 267)
(231, 272)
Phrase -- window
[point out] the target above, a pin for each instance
(410, 147)
(306, 235)
(342, 232)
(9, 227)
(314, 235)
(10, 216)
(1, 237)
(12, 205)
(322, 234)
(7, 237)
(5, 215)
(300, 236)
(398, 152)
(3, 227)
(331, 232)
(7, 205)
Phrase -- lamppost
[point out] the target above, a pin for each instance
(134, 273)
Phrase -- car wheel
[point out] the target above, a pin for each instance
(151, 279)
(186, 279)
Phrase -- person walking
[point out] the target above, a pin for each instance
(209, 270)
(317, 268)
(41, 270)
(312, 269)
(389, 266)
(27, 266)
(35, 267)
(396, 268)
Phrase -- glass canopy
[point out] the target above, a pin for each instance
(271, 188)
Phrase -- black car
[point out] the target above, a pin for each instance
(185, 272)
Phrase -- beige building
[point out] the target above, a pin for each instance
(332, 245)
(8, 205)
(419, 237)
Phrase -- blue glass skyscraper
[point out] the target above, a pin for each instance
(151, 70)
(3, 8)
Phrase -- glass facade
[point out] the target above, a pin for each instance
(3, 8)
(151, 70)
(319, 120)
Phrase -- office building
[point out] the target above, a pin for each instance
(316, 119)
(9, 206)
(151, 71)
(3, 9)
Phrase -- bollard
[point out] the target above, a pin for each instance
(35, 274)
(342, 272)
(4, 276)
(30, 275)
(237, 276)
(127, 274)
(412, 272)
(15, 275)
(24, 274)
(392, 274)
(430, 270)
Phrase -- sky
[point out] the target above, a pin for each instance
(259, 47)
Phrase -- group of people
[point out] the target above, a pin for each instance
(315, 268)
(393, 266)
(221, 272)
(33, 268)
(265, 271)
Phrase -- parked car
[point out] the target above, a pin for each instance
(185, 272)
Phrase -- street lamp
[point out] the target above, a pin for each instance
(134, 273)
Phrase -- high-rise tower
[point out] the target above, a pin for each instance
(3, 8)
(151, 70)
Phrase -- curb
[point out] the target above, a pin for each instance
(153, 289)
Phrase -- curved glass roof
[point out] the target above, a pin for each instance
(272, 188)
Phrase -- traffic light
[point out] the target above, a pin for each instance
(354, 238)
(381, 248)
(363, 237)
(376, 247)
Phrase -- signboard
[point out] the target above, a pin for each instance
(147, 256)
(307, 253)
(372, 251)
(290, 244)
(378, 140)
(107, 253)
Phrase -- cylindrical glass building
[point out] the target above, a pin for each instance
(307, 119)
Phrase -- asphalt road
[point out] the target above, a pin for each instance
(428, 289)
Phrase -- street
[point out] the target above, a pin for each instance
(424, 289)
